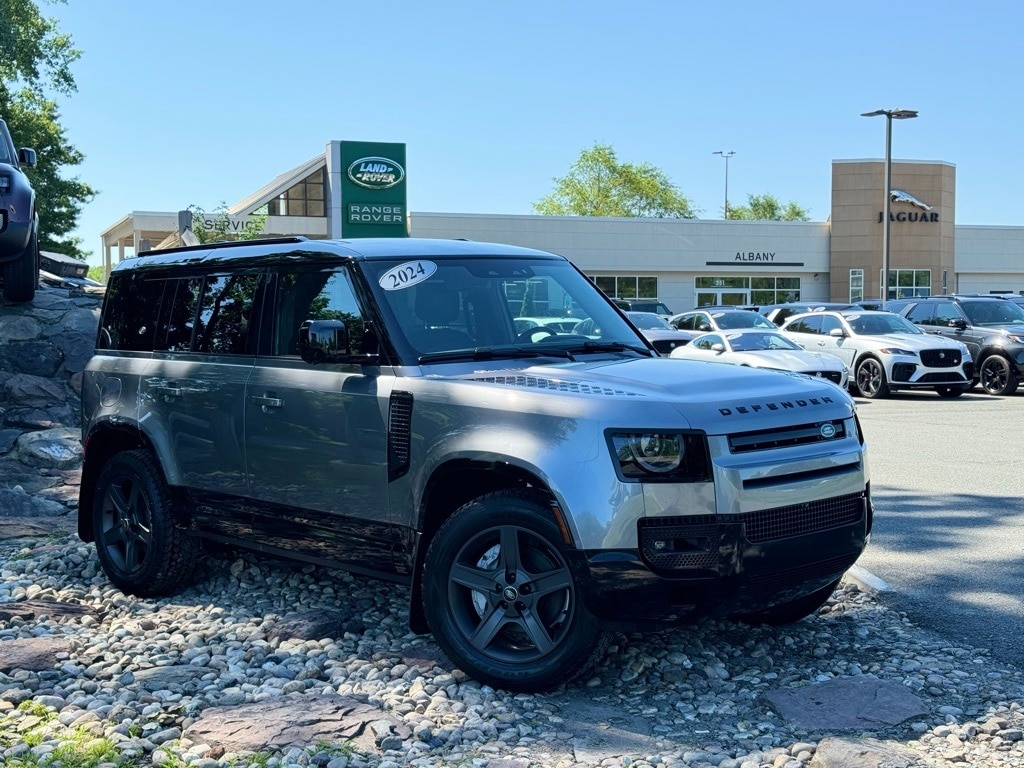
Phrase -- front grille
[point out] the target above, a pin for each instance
(665, 346)
(798, 519)
(940, 358)
(785, 437)
(672, 544)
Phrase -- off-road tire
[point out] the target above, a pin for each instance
(21, 276)
(140, 548)
(500, 597)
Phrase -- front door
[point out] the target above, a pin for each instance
(725, 297)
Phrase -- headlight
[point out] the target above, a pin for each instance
(1018, 339)
(678, 457)
(5, 183)
(898, 351)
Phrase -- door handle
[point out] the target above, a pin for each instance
(267, 402)
(168, 391)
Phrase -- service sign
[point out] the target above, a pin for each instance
(373, 190)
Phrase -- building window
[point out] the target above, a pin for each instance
(856, 285)
(304, 199)
(763, 290)
(628, 286)
(905, 283)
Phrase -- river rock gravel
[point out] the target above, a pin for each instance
(247, 645)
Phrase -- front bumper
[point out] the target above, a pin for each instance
(723, 565)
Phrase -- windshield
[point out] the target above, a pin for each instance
(880, 324)
(753, 342)
(443, 305)
(993, 312)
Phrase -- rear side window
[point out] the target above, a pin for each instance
(809, 324)
(178, 314)
(225, 315)
(130, 312)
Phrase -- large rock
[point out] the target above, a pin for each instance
(35, 653)
(861, 753)
(34, 391)
(19, 328)
(37, 358)
(864, 703)
(57, 448)
(14, 502)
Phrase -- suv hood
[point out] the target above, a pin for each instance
(708, 394)
(911, 341)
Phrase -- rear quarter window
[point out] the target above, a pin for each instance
(130, 313)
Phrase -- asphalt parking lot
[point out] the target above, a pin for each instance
(947, 478)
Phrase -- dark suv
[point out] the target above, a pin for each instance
(19, 248)
(991, 328)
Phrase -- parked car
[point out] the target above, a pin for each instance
(886, 352)
(779, 313)
(19, 222)
(368, 405)
(759, 348)
(655, 328)
(556, 323)
(704, 320)
(991, 328)
(644, 305)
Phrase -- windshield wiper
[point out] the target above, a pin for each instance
(611, 346)
(489, 353)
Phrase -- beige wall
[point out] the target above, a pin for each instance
(857, 232)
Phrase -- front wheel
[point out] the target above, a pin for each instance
(21, 276)
(870, 378)
(997, 376)
(501, 599)
(140, 548)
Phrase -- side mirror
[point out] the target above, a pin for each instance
(719, 347)
(323, 341)
(958, 322)
(27, 158)
(704, 327)
(837, 333)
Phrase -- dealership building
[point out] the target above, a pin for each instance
(358, 189)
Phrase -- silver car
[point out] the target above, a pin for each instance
(886, 352)
(771, 350)
(371, 405)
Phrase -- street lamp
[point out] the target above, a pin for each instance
(726, 154)
(890, 115)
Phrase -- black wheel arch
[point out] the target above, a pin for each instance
(103, 443)
(452, 485)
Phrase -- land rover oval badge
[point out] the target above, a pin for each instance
(376, 172)
(828, 430)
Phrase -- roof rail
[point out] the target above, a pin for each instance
(227, 244)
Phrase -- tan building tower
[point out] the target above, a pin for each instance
(922, 220)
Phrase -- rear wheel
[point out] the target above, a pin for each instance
(141, 550)
(870, 378)
(997, 375)
(21, 276)
(787, 613)
(950, 391)
(501, 599)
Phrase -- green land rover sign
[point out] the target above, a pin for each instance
(373, 190)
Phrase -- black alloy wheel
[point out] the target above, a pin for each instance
(997, 376)
(870, 378)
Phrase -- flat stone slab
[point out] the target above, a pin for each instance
(846, 703)
(34, 653)
(295, 721)
(603, 732)
(861, 753)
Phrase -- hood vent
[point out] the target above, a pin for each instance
(558, 385)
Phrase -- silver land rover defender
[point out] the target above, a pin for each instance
(369, 405)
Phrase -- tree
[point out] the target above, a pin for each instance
(222, 225)
(598, 184)
(768, 208)
(35, 60)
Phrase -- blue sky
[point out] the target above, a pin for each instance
(205, 102)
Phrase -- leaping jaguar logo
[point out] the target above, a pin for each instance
(899, 196)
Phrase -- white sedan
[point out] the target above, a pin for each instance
(757, 348)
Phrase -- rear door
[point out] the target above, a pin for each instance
(935, 317)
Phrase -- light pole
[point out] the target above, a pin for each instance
(726, 154)
(890, 115)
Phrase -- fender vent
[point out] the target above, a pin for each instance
(399, 434)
